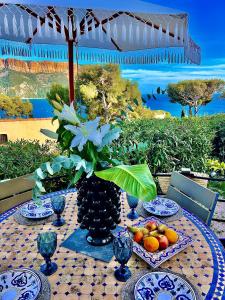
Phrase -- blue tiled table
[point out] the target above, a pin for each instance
(80, 277)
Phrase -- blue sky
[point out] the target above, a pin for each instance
(207, 28)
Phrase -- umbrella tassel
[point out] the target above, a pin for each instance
(100, 32)
(6, 25)
(160, 36)
(115, 33)
(30, 27)
(22, 28)
(145, 38)
(86, 29)
(77, 28)
(175, 33)
(182, 33)
(152, 37)
(108, 28)
(54, 28)
(14, 23)
(137, 33)
(124, 33)
(63, 30)
(39, 32)
(131, 33)
(46, 27)
(70, 26)
(93, 29)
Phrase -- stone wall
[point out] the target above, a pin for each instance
(26, 128)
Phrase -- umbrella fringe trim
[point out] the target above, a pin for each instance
(189, 54)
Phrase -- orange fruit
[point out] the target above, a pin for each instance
(171, 235)
(138, 236)
(151, 244)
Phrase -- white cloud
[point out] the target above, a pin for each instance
(162, 75)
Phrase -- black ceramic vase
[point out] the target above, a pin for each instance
(98, 209)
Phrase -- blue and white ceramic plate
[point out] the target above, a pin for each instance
(33, 211)
(164, 286)
(160, 256)
(162, 207)
(19, 284)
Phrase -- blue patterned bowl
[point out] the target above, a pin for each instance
(163, 286)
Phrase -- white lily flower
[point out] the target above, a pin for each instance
(87, 131)
(68, 113)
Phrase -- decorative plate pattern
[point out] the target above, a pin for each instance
(157, 258)
(33, 211)
(162, 207)
(19, 284)
(163, 285)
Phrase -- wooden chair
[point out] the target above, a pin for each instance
(15, 191)
(193, 197)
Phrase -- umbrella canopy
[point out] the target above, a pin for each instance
(124, 28)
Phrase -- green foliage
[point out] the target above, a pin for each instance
(135, 180)
(172, 143)
(110, 93)
(23, 157)
(15, 106)
(194, 93)
(58, 92)
(135, 153)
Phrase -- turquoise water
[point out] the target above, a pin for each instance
(42, 109)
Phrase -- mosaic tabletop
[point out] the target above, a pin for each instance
(84, 278)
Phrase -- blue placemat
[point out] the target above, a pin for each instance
(77, 242)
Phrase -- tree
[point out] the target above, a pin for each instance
(106, 93)
(194, 93)
(15, 106)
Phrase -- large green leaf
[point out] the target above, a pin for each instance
(49, 133)
(135, 180)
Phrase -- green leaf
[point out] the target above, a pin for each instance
(49, 168)
(130, 108)
(51, 134)
(76, 177)
(54, 118)
(56, 167)
(40, 173)
(40, 186)
(113, 134)
(136, 180)
(135, 102)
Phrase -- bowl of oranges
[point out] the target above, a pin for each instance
(155, 241)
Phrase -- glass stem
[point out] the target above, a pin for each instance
(122, 268)
(58, 217)
(48, 262)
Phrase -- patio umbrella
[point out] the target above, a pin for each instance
(105, 31)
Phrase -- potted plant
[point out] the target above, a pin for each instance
(99, 176)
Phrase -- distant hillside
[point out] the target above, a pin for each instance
(29, 85)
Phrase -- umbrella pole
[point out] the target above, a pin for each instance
(71, 71)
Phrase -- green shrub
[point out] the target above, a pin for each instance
(23, 157)
(174, 143)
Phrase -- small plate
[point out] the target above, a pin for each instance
(19, 284)
(33, 211)
(160, 256)
(162, 207)
(163, 285)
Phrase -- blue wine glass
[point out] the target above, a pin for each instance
(133, 203)
(47, 243)
(58, 205)
(122, 248)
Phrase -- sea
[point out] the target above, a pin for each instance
(42, 108)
